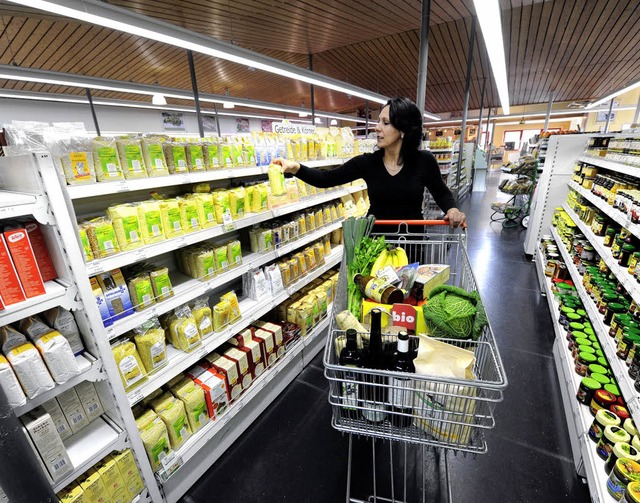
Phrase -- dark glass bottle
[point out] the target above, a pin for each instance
(401, 389)
(350, 356)
(375, 397)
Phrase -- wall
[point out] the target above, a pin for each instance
(622, 117)
(110, 119)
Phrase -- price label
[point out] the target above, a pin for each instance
(153, 312)
(122, 186)
(94, 268)
(202, 352)
(170, 464)
(227, 221)
(110, 333)
(135, 397)
(181, 242)
(634, 406)
(186, 179)
(139, 255)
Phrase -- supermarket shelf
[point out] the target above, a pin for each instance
(233, 423)
(606, 208)
(129, 257)
(618, 367)
(601, 162)
(627, 280)
(593, 466)
(143, 497)
(103, 188)
(446, 172)
(89, 446)
(56, 294)
(19, 204)
(440, 150)
(193, 288)
(90, 370)
(442, 161)
(335, 161)
(251, 310)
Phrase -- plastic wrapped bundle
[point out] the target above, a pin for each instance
(204, 317)
(153, 151)
(205, 210)
(155, 439)
(141, 291)
(183, 330)
(102, 237)
(126, 225)
(195, 157)
(221, 204)
(150, 342)
(176, 156)
(195, 405)
(188, 214)
(174, 417)
(234, 253)
(161, 283)
(106, 159)
(76, 159)
(150, 219)
(129, 364)
(131, 158)
(236, 202)
(171, 218)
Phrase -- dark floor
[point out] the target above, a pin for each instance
(292, 454)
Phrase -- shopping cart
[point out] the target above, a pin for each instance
(449, 414)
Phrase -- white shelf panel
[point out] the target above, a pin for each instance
(19, 204)
(251, 310)
(201, 438)
(56, 294)
(335, 161)
(90, 370)
(607, 209)
(104, 188)
(440, 161)
(129, 257)
(601, 162)
(618, 367)
(89, 446)
(440, 150)
(593, 464)
(193, 288)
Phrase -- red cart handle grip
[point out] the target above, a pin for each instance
(412, 222)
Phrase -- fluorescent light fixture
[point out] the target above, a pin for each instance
(333, 122)
(127, 21)
(613, 95)
(488, 12)
(303, 114)
(228, 105)
(317, 120)
(158, 99)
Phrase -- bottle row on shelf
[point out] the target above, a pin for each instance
(620, 149)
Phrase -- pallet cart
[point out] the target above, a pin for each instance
(445, 414)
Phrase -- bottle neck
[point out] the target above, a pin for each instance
(403, 346)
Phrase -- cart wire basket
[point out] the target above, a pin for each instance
(449, 413)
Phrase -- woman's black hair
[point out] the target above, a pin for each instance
(405, 116)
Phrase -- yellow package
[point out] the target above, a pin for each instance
(106, 160)
(294, 267)
(72, 494)
(236, 202)
(77, 160)
(318, 249)
(176, 156)
(302, 263)
(188, 214)
(291, 187)
(260, 198)
(131, 158)
(108, 471)
(150, 219)
(204, 265)
(150, 342)
(102, 237)
(175, 419)
(126, 225)
(156, 442)
(305, 317)
(171, 218)
(195, 157)
(204, 317)
(161, 401)
(205, 209)
(221, 315)
(132, 371)
(310, 219)
(302, 225)
(237, 154)
(195, 405)
(248, 198)
(234, 306)
(145, 419)
(140, 291)
(93, 488)
(261, 240)
(183, 330)
(129, 471)
(302, 188)
(211, 155)
(161, 283)
(222, 205)
(226, 154)
(334, 213)
(154, 158)
(84, 241)
(234, 253)
(319, 218)
(276, 180)
(285, 273)
(221, 258)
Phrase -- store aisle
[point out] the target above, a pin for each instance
(292, 453)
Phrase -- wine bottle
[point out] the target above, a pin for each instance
(378, 289)
(401, 389)
(350, 356)
(375, 396)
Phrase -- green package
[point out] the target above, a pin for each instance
(161, 283)
(189, 215)
(234, 253)
(180, 159)
(141, 292)
(102, 237)
(220, 256)
(205, 265)
(154, 158)
(132, 158)
(86, 247)
(221, 204)
(107, 163)
(238, 159)
(251, 155)
(196, 158)
(213, 151)
(170, 214)
(227, 156)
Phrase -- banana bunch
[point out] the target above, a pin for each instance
(394, 257)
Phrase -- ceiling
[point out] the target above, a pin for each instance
(579, 49)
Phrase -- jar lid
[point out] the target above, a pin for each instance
(582, 341)
(581, 312)
(563, 286)
(599, 353)
(607, 418)
(587, 357)
(625, 450)
(616, 307)
(604, 396)
(573, 316)
(609, 296)
(596, 368)
(589, 331)
(628, 247)
(600, 379)
(587, 324)
(620, 411)
(617, 434)
(612, 230)
(631, 330)
(636, 255)
(630, 426)
(594, 343)
(623, 318)
(632, 492)
(567, 309)
(603, 361)
(578, 335)
(613, 389)
(586, 349)
(574, 325)
(628, 469)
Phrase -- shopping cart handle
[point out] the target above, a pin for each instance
(412, 222)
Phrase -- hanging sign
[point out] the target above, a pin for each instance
(285, 127)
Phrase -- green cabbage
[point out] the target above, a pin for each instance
(454, 313)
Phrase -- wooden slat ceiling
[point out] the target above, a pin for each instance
(579, 49)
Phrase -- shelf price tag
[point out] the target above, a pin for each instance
(135, 397)
(634, 406)
(123, 186)
(227, 221)
(94, 268)
(170, 464)
(139, 255)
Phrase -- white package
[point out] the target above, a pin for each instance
(274, 276)
(89, 398)
(57, 354)
(30, 370)
(73, 410)
(10, 384)
(62, 426)
(64, 322)
(10, 338)
(33, 327)
(258, 286)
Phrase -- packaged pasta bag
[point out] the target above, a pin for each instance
(195, 404)
(222, 205)
(249, 153)
(291, 187)
(261, 239)
(171, 218)
(226, 154)
(175, 154)
(174, 417)
(160, 283)
(319, 217)
(195, 157)
(150, 218)
(205, 209)
(150, 342)
(106, 160)
(234, 306)
(130, 366)
(276, 180)
(221, 315)
(126, 225)
(183, 330)
(236, 202)
(84, 241)
(203, 316)
(58, 356)
(154, 159)
(69, 145)
(234, 253)
(237, 153)
(272, 272)
(260, 200)
(248, 198)
(140, 290)
(221, 258)
(188, 214)
(131, 157)
(212, 154)
(155, 439)
(203, 264)
(102, 237)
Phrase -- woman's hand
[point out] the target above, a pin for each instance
(287, 166)
(456, 218)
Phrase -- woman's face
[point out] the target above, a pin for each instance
(386, 134)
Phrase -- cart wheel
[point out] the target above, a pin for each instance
(525, 222)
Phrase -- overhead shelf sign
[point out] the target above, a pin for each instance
(286, 127)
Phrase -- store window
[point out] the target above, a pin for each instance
(511, 140)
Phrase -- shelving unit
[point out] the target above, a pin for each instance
(56, 294)
(578, 417)
(618, 167)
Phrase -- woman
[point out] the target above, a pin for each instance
(396, 174)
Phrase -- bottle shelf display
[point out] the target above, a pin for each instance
(74, 291)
